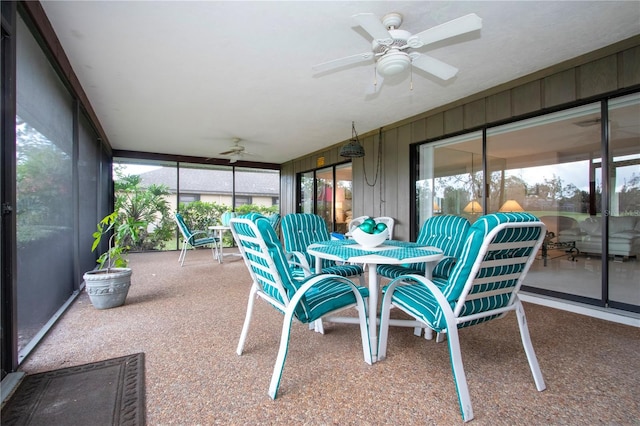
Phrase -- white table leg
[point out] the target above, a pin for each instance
(373, 310)
(220, 252)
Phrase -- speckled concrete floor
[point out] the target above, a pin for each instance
(187, 322)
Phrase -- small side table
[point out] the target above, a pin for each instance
(219, 232)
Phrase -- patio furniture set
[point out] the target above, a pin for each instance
(455, 275)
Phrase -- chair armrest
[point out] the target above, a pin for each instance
(297, 259)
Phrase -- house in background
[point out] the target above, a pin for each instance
(261, 188)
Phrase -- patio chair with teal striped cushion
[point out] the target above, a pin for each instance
(447, 233)
(483, 286)
(299, 231)
(195, 239)
(305, 300)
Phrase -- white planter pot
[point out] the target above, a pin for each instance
(108, 290)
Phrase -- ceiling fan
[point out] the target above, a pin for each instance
(393, 49)
(236, 151)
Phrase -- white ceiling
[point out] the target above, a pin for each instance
(182, 77)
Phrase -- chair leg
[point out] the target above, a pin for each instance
(214, 251)
(317, 326)
(282, 353)
(385, 314)
(457, 369)
(364, 331)
(183, 254)
(247, 319)
(528, 347)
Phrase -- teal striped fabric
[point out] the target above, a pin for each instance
(417, 300)
(447, 233)
(300, 230)
(325, 296)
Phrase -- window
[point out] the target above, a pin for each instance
(243, 200)
(189, 198)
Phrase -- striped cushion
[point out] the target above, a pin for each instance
(300, 230)
(447, 233)
(420, 303)
(204, 241)
(326, 296)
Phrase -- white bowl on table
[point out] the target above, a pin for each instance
(369, 240)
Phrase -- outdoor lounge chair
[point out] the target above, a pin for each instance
(483, 285)
(195, 239)
(306, 300)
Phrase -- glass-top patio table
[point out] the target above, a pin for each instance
(391, 252)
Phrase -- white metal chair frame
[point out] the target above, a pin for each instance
(471, 292)
(263, 270)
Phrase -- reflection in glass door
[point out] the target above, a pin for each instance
(344, 213)
(327, 193)
(624, 202)
(450, 180)
(548, 167)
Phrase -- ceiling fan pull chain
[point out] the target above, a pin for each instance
(411, 77)
(375, 79)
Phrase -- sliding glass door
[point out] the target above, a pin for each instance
(624, 201)
(327, 193)
(552, 166)
(545, 166)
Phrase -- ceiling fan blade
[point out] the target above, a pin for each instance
(348, 60)
(435, 67)
(372, 24)
(462, 25)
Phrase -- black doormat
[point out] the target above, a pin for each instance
(108, 392)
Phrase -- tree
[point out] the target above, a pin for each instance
(149, 206)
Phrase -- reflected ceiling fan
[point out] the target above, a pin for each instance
(236, 151)
(394, 50)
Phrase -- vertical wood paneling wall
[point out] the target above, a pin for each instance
(608, 71)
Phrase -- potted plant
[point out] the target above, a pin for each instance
(108, 285)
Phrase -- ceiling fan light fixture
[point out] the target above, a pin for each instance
(393, 62)
(353, 148)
